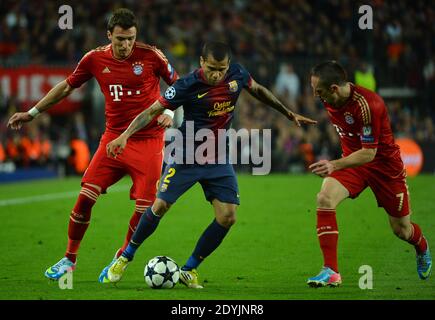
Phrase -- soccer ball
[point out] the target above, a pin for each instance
(161, 272)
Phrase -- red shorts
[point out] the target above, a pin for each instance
(387, 181)
(142, 159)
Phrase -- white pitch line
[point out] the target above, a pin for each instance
(51, 196)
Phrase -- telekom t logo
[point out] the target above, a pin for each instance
(117, 91)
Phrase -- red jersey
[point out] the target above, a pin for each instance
(363, 122)
(129, 85)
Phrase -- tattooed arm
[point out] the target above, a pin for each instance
(264, 95)
(115, 147)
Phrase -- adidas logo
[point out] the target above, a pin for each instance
(106, 70)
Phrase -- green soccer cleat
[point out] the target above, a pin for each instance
(115, 272)
(190, 279)
(424, 264)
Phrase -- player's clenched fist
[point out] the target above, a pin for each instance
(17, 120)
(115, 147)
(164, 121)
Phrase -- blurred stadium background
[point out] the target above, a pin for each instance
(278, 41)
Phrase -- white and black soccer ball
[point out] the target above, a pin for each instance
(161, 272)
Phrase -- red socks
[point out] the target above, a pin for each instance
(327, 232)
(417, 239)
(81, 216)
(79, 220)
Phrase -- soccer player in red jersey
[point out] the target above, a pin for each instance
(370, 159)
(128, 73)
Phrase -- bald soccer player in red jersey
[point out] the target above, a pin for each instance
(128, 73)
(370, 159)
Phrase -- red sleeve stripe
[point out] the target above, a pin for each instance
(159, 53)
(88, 53)
(365, 110)
(102, 48)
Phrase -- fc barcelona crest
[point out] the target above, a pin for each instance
(137, 68)
(233, 86)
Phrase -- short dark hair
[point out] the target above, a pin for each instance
(329, 73)
(217, 49)
(122, 17)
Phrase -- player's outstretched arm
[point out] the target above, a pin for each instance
(115, 147)
(324, 168)
(57, 93)
(264, 95)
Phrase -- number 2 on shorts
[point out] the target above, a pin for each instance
(170, 174)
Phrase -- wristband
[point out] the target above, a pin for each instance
(169, 113)
(34, 112)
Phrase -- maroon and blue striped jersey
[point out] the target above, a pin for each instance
(206, 106)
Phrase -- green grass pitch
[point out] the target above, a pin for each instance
(268, 254)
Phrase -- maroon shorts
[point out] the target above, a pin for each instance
(141, 159)
(387, 181)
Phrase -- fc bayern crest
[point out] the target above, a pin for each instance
(348, 118)
(137, 68)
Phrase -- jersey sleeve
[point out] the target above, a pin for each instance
(82, 72)
(247, 79)
(174, 96)
(164, 69)
(372, 115)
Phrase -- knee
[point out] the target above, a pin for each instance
(160, 207)
(325, 200)
(87, 197)
(402, 231)
(227, 218)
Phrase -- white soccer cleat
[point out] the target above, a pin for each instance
(60, 268)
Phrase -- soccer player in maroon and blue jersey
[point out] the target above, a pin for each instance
(370, 159)
(208, 96)
(129, 74)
